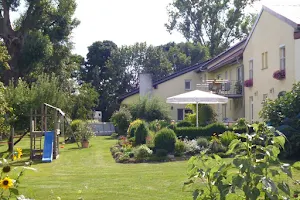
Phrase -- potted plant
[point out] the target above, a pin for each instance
(82, 132)
(248, 83)
(238, 87)
(279, 74)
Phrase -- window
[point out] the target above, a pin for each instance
(219, 77)
(187, 85)
(282, 58)
(265, 96)
(251, 69)
(180, 114)
(226, 75)
(264, 60)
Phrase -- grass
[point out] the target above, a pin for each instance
(95, 173)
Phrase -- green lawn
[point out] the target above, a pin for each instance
(95, 173)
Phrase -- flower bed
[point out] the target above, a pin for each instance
(124, 152)
(279, 74)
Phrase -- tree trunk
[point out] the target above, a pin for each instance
(11, 140)
(14, 50)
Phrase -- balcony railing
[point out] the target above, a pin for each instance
(226, 88)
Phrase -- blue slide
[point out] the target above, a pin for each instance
(48, 147)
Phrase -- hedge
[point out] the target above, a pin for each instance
(206, 131)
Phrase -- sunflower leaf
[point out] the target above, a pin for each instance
(14, 191)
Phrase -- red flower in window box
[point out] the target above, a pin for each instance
(279, 74)
(248, 83)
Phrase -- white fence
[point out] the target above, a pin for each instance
(102, 128)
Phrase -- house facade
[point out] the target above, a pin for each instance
(222, 75)
(271, 57)
(264, 65)
(174, 84)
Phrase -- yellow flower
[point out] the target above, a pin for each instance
(19, 150)
(19, 155)
(14, 157)
(6, 183)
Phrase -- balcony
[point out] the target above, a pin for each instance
(227, 88)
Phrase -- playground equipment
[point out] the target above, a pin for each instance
(49, 117)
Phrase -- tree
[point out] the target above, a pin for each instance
(40, 35)
(213, 23)
(184, 55)
(4, 57)
(96, 72)
(84, 102)
(141, 58)
(3, 110)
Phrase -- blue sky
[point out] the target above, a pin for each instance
(122, 21)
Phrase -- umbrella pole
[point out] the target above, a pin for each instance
(197, 120)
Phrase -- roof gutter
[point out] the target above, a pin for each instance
(297, 33)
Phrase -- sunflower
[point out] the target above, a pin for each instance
(19, 155)
(6, 183)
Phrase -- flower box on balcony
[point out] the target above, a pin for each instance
(248, 83)
(279, 74)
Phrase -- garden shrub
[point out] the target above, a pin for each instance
(81, 130)
(150, 139)
(150, 109)
(179, 148)
(122, 158)
(142, 152)
(227, 137)
(114, 136)
(75, 124)
(141, 134)
(184, 124)
(202, 142)
(157, 125)
(191, 147)
(206, 114)
(161, 153)
(165, 139)
(132, 127)
(194, 132)
(217, 147)
(121, 119)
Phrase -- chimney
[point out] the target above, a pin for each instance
(145, 84)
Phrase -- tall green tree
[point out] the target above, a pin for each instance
(40, 38)
(186, 54)
(95, 70)
(141, 58)
(213, 23)
(97, 73)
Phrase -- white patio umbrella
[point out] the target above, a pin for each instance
(197, 97)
